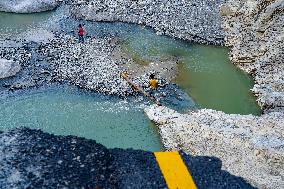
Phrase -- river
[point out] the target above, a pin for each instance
(205, 74)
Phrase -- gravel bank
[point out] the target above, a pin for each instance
(249, 146)
(194, 20)
(94, 65)
(87, 65)
(97, 65)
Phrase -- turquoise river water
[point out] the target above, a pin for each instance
(69, 111)
(204, 73)
(12, 24)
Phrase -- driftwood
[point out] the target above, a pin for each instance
(139, 89)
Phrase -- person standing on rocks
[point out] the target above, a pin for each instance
(81, 33)
(153, 85)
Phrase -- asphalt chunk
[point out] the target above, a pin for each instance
(207, 173)
(34, 159)
(137, 169)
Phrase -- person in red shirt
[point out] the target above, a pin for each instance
(81, 33)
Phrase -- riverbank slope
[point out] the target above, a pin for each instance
(250, 146)
(196, 21)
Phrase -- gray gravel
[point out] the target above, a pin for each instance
(28, 6)
(195, 20)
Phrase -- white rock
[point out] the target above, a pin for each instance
(8, 68)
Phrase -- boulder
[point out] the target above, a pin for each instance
(8, 68)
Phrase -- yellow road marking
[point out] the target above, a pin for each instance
(174, 170)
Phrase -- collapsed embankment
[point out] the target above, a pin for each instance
(250, 146)
(34, 159)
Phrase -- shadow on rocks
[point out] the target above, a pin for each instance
(207, 173)
(34, 159)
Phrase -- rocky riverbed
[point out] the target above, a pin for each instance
(196, 20)
(96, 64)
(250, 146)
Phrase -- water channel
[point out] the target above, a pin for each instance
(204, 73)
(70, 111)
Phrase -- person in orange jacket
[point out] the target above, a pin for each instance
(153, 84)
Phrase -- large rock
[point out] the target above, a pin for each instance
(28, 6)
(8, 68)
(249, 146)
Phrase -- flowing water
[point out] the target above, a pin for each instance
(13, 24)
(69, 111)
(205, 74)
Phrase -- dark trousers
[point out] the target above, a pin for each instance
(152, 92)
(81, 38)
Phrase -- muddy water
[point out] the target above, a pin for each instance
(205, 72)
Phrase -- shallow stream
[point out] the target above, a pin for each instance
(111, 121)
(204, 73)
(13, 24)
